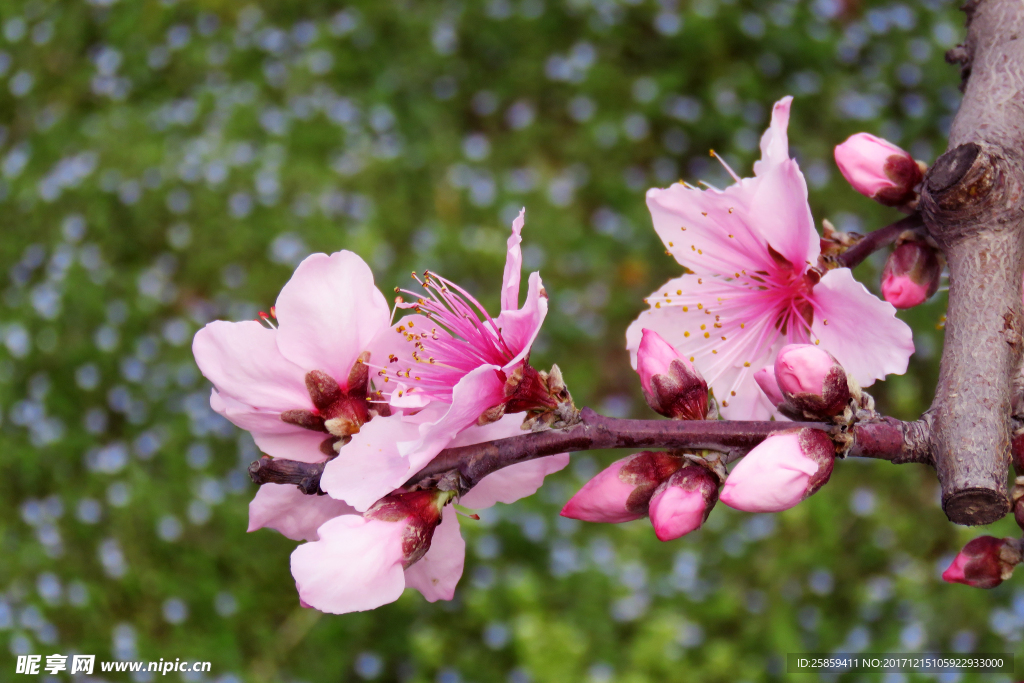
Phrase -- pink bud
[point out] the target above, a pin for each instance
(671, 385)
(878, 169)
(683, 502)
(802, 368)
(765, 378)
(622, 491)
(781, 471)
(911, 274)
(985, 562)
(811, 381)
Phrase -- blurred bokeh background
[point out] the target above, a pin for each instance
(164, 164)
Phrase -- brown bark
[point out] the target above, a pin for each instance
(878, 239)
(972, 206)
(886, 439)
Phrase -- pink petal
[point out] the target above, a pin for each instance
(726, 231)
(272, 435)
(478, 391)
(437, 573)
(519, 328)
(514, 482)
(513, 265)
(779, 205)
(863, 332)
(765, 378)
(775, 141)
(284, 508)
(244, 363)
(369, 467)
(329, 312)
(355, 566)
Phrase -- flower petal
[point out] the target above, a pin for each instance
(244, 363)
(513, 265)
(775, 141)
(329, 312)
(437, 573)
(519, 328)
(861, 331)
(480, 390)
(272, 435)
(284, 508)
(356, 565)
(779, 205)
(723, 232)
(514, 482)
(369, 467)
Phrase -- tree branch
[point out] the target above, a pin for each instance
(972, 205)
(878, 239)
(885, 439)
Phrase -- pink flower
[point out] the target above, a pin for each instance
(878, 169)
(781, 471)
(455, 353)
(765, 378)
(671, 385)
(682, 502)
(622, 491)
(911, 274)
(985, 562)
(359, 562)
(300, 388)
(751, 248)
(383, 573)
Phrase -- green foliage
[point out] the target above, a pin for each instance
(165, 164)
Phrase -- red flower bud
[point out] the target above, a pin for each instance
(671, 385)
(879, 169)
(781, 471)
(622, 491)
(911, 274)
(682, 502)
(985, 562)
(812, 381)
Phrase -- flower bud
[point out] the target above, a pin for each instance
(911, 274)
(879, 169)
(765, 378)
(682, 502)
(622, 491)
(419, 512)
(985, 562)
(781, 471)
(812, 381)
(671, 385)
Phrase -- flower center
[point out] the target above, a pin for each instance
(461, 338)
(337, 412)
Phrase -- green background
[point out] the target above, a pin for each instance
(168, 163)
